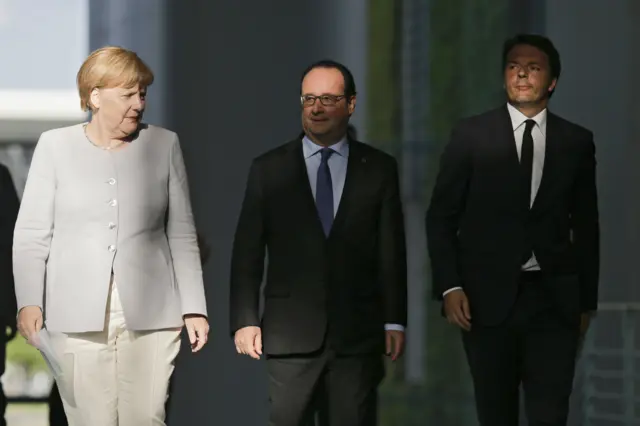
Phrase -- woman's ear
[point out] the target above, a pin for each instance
(94, 99)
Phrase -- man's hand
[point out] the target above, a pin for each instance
(30, 322)
(248, 341)
(198, 330)
(456, 308)
(395, 343)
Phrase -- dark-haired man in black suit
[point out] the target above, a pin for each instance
(514, 240)
(327, 210)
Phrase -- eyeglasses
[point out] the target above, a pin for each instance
(326, 100)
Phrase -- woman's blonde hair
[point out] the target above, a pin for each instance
(111, 66)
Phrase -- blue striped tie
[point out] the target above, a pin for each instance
(324, 191)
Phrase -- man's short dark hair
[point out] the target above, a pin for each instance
(349, 82)
(540, 42)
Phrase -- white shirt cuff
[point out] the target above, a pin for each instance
(393, 327)
(450, 290)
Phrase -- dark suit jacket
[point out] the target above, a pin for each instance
(479, 224)
(344, 287)
(9, 205)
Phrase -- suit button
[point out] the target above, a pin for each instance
(112, 248)
(111, 181)
(113, 203)
(112, 225)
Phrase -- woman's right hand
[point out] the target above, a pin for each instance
(30, 322)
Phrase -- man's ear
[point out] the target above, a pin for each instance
(351, 105)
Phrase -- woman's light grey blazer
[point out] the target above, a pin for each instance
(87, 211)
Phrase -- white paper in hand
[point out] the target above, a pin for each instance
(51, 346)
(51, 356)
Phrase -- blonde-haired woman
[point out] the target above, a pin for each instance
(105, 246)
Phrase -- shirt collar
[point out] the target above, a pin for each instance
(310, 148)
(518, 118)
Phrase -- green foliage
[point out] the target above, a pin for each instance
(20, 352)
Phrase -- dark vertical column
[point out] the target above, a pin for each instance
(416, 17)
(344, 25)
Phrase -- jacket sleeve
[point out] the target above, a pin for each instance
(34, 226)
(248, 256)
(183, 240)
(446, 207)
(393, 252)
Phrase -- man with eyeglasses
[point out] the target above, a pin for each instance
(327, 210)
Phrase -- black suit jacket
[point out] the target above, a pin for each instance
(479, 224)
(341, 289)
(9, 206)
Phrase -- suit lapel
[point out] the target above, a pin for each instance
(355, 167)
(508, 140)
(551, 155)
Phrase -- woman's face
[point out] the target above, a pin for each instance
(120, 108)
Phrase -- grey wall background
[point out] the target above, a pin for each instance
(600, 45)
(598, 90)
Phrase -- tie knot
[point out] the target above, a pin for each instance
(529, 125)
(326, 153)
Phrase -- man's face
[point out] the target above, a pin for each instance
(325, 108)
(527, 76)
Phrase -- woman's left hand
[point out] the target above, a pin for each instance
(198, 330)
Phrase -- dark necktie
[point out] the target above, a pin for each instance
(526, 161)
(526, 164)
(324, 191)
